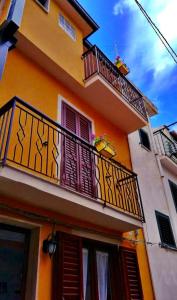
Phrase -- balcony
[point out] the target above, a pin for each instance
(103, 79)
(96, 81)
(44, 164)
(167, 148)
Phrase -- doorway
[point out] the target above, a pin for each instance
(14, 250)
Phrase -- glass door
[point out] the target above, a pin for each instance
(96, 274)
(14, 244)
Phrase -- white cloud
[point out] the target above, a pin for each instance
(121, 6)
(144, 51)
(118, 9)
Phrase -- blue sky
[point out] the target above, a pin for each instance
(124, 31)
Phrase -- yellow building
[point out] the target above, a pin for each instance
(64, 192)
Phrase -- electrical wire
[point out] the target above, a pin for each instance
(170, 50)
(172, 124)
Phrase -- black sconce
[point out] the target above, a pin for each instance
(50, 244)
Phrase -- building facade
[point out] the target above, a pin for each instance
(154, 155)
(59, 196)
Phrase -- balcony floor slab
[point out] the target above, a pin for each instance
(169, 164)
(112, 105)
(38, 192)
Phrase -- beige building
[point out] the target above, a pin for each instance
(154, 157)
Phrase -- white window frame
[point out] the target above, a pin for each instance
(67, 27)
(45, 8)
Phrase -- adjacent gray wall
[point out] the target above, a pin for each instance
(156, 195)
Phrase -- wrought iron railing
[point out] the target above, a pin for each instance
(95, 62)
(33, 142)
(165, 144)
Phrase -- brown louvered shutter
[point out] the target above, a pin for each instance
(131, 276)
(85, 128)
(70, 171)
(86, 159)
(77, 165)
(67, 266)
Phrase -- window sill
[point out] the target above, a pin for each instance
(46, 9)
(168, 247)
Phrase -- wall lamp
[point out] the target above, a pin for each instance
(50, 244)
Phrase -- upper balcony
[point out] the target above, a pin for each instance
(44, 164)
(114, 93)
(166, 147)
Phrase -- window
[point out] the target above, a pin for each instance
(91, 270)
(14, 248)
(44, 4)
(144, 139)
(173, 188)
(165, 229)
(67, 27)
(93, 265)
(96, 273)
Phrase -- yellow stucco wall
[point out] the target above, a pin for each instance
(143, 263)
(144, 267)
(43, 30)
(45, 263)
(25, 79)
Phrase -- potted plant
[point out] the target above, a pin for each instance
(103, 146)
(121, 66)
(124, 69)
(118, 62)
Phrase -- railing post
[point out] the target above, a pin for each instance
(97, 62)
(9, 133)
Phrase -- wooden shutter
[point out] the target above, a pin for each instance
(86, 159)
(77, 166)
(85, 129)
(131, 276)
(70, 171)
(69, 119)
(115, 274)
(67, 266)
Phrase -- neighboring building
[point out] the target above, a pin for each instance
(56, 191)
(154, 157)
